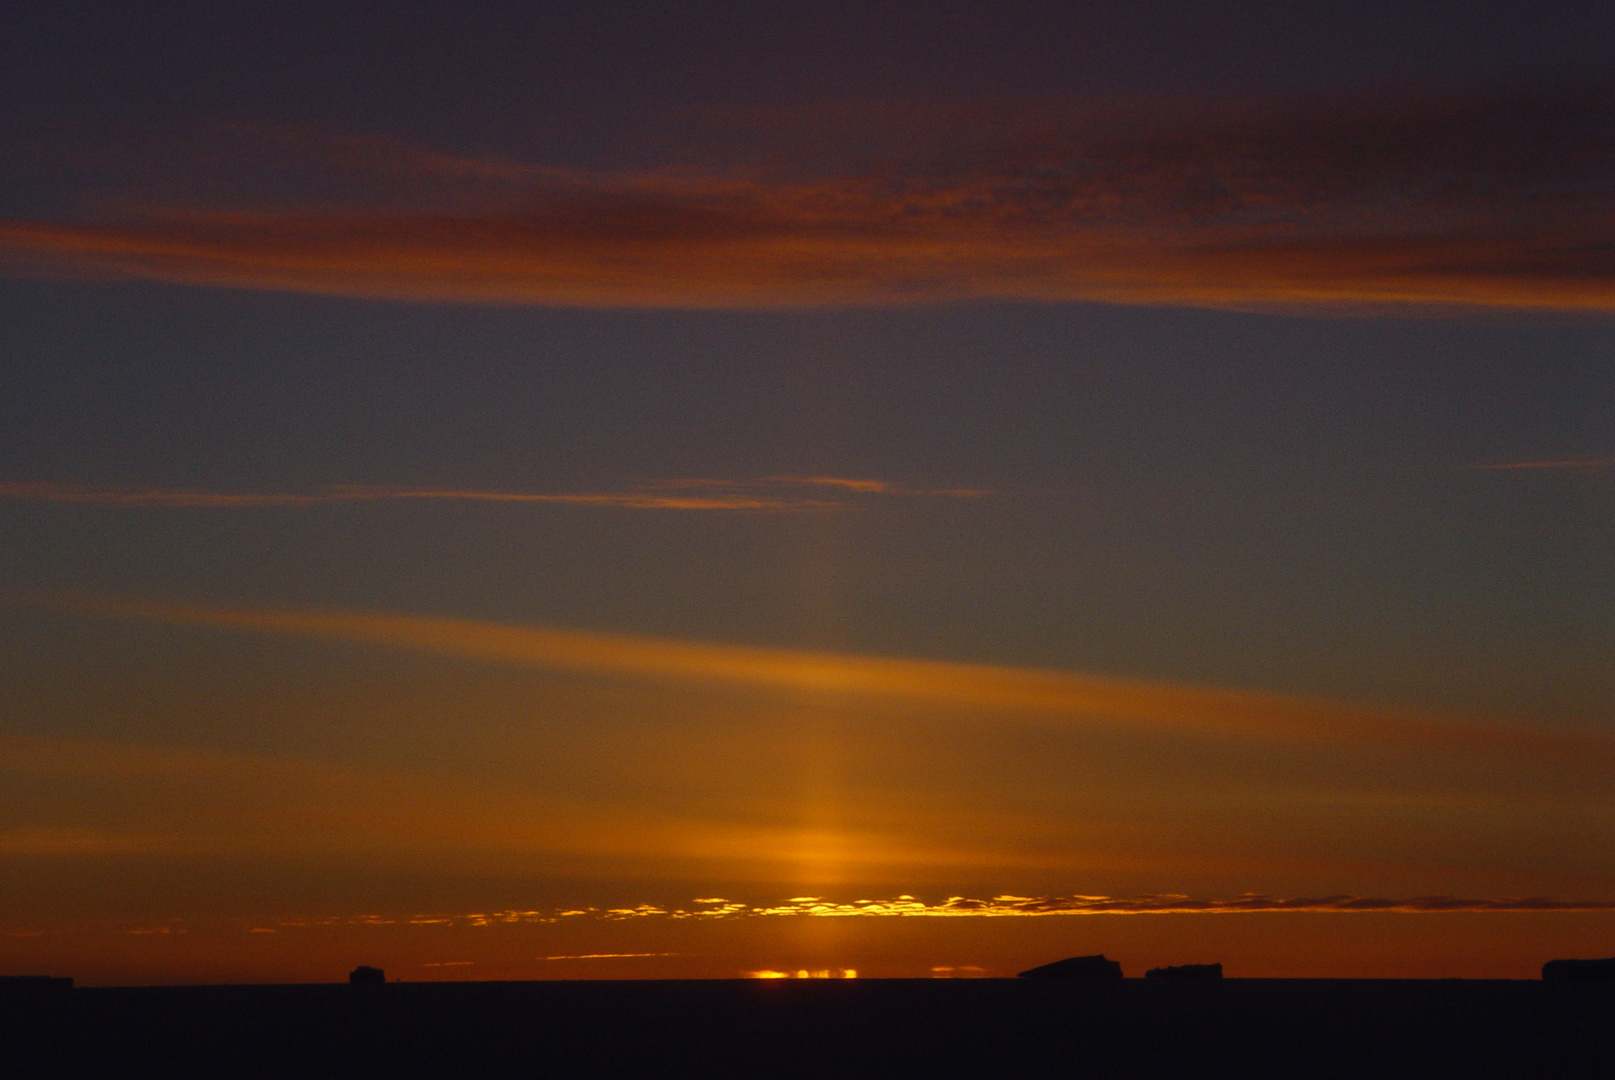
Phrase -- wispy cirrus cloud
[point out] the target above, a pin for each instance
(773, 494)
(1494, 200)
(149, 497)
(137, 498)
(842, 484)
(1569, 464)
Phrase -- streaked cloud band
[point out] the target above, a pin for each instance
(769, 494)
(1570, 464)
(1484, 200)
(982, 688)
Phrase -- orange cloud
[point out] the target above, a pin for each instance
(836, 481)
(850, 484)
(631, 500)
(761, 254)
(990, 689)
(1487, 201)
(605, 956)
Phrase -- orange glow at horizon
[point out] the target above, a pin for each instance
(730, 787)
(803, 493)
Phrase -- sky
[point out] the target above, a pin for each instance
(641, 490)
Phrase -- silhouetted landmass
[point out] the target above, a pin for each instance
(1579, 970)
(1077, 967)
(34, 984)
(366, 976)
(1186, 971)
(784, 1029)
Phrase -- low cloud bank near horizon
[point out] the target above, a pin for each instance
(994, 907)
(1009, 906)
(908, 907)
(1486, 200)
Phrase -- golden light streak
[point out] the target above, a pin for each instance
(993, 689)
(606, 955)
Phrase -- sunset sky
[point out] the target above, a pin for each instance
(641, 490)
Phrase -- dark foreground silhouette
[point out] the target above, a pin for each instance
(1186, 971)
(1077, 967)
(16, 985)
(1579, 971)
(758, 1030)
